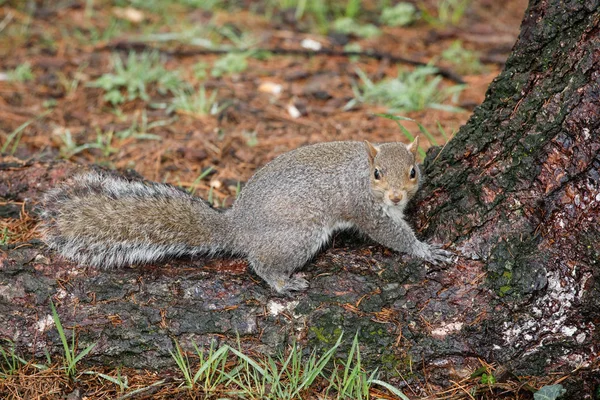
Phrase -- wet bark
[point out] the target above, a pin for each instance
(516, 194)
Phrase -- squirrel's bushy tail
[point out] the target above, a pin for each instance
(106, 221)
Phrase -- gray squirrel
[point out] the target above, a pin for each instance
(286, 212)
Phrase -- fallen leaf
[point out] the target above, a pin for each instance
(129, 13)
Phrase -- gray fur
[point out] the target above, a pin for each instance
(284, 215)
(101, 242)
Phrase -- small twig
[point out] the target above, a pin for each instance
(6, 20)
(461, 387)
(143, 390)
(138, 45)
(445, 144)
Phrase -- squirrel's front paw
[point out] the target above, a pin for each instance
(434, 253)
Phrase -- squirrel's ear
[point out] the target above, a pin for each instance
(414, 146)
(371, 151)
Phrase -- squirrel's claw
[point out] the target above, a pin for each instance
(295, 284)
(435, 254)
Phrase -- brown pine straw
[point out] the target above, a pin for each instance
(19, 230)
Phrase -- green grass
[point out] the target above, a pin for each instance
(121, 381)
(290, 375)
(9, 361)
(317, 12)
(401, 14)
(200, 70)
(240, 40)
(5, 235)
(208, 376)
(204, 174)
(69, 84)
(350, 26)
(94, 35)
(196, 103)
(320, 14)
(422, 129)
(140, 127)
(15, 136)
(348, 378)
(228, 372)
(353, 47)
(164, 6)
(251, 137)
(206, 4)
(70, 147)
(231, 63)
(71, 357)
(196, 36)
(353, 8)
(108, 142)
(448, 13)
(410, 91)
(207, 35)
(130, 79)
(463, 61)
(22, 73)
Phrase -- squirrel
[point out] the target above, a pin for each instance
(285, 213)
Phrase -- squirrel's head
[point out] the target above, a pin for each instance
(395, 175)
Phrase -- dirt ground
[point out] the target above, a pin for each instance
(60, 42)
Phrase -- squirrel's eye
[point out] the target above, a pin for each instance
(413, 173)
(377, 174)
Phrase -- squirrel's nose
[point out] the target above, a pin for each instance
(395, 197)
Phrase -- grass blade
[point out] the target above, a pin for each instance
(61, 334)
(216, 356)
(249, 361)
(391, 388)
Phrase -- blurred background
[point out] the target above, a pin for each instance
(199, 93)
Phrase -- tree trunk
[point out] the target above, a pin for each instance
(516, 193)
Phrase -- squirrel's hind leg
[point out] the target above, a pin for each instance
(276, 256)
(280, 277)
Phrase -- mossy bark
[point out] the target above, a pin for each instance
(517, 193)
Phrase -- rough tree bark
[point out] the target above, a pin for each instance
(516, 193)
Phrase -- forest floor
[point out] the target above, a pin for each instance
(202, 93)
(191, 110)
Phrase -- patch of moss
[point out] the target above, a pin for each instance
(504, 290)
(326, 336)
(515, 268)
